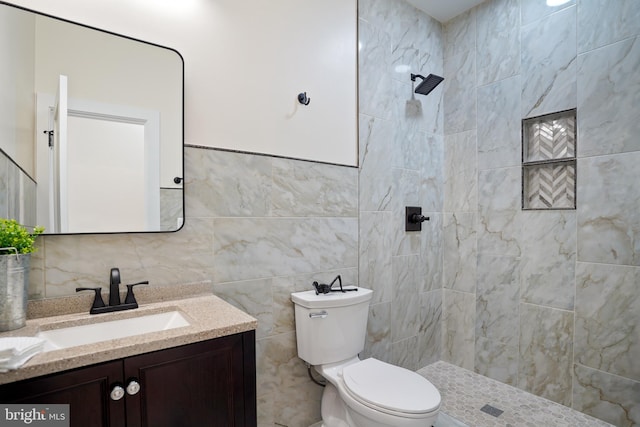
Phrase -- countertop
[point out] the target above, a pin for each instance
(209, 317)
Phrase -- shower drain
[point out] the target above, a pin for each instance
(491, 410)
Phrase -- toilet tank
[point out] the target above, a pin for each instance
(331, 327)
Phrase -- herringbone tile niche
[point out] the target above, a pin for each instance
(549, 161)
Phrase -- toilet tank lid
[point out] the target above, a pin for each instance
(309, 299)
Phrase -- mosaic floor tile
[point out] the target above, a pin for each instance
(465, 392)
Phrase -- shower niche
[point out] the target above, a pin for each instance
(549, 161)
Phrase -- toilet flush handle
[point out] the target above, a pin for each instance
(320, 315)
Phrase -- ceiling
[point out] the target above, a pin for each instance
(444, 10)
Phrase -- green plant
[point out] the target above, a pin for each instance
(14, 235)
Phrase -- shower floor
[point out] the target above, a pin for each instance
(465, 392)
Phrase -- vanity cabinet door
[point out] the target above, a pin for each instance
(210, 383)
(86, 390)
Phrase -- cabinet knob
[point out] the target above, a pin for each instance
(133, 387)
(117, 393)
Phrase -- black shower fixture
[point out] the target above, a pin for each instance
(428, 83)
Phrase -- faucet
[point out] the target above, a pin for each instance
(130, 302)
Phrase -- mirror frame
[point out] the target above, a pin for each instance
(182, 119)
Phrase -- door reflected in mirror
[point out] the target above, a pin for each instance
(91, 131)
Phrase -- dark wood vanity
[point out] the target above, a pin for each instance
(208, 383)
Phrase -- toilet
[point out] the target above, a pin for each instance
(330, 330)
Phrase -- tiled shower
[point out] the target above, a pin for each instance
(544, 300)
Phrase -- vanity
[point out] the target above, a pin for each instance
(199, 374)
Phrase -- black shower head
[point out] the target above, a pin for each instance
(428, 83)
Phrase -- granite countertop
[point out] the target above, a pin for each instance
(209, 317)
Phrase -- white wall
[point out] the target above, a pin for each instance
(17, 103)
(245, 63)
(114, 70)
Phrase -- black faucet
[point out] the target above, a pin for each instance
(114, 295)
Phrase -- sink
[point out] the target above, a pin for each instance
(95, 332)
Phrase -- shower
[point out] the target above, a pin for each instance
(428, 83)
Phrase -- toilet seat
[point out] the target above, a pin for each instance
(390, 389)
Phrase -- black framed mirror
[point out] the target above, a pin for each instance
(91, 128)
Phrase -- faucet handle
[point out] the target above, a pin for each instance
(114, 287)
(131, 298)
(97, 300)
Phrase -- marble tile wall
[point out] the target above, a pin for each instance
(401, 164)
(257, 229)
(17, 193)
(545, 300)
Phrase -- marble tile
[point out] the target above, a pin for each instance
(497, 360)
(171, 208)
(500, 217)
(549, 64)
(207, 197)
(549, 258)
(460, 252)
(253, 297)
(265, 409)
(499, 124)
(375, 254)
(608, 218)
(298, 406)
(464, 393)
(497, 297)
(532, 10)
(374, 81)
(602, 22)
(460, 169)
(376, 150)
(85, 260)
(608, 397)
(546, 352)
(458, 313)
(403, 353)
(608, 96)
(416, 40)
(408, 274)
(264, 247)
(37, 288)
(460, 92)
(460, 34)
(405, 317)
(404, 193)
(416, 112)
(313, 189)
(432, 174)
(498, 40)
(432, 252)
(608, 318)
(278, 365)
(4, 178)
(378, 341)
(429, 347)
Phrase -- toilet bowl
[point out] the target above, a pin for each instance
(372, 393)
(330, 333)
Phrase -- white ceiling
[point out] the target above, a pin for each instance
(444, 10)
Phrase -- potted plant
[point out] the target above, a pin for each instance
(16, 247)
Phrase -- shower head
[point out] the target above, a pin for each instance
(428, 83)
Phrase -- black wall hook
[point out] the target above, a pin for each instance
(303, 99)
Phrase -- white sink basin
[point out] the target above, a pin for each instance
(95, 332)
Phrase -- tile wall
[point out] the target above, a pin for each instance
(545, 300)
(17, 193)
(401, 164)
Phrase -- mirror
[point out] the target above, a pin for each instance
(91, 128)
